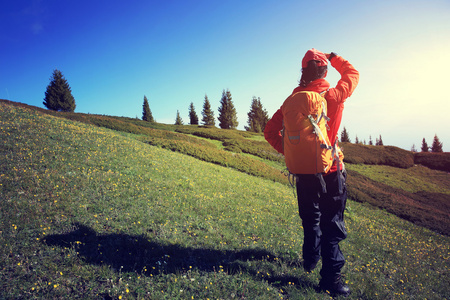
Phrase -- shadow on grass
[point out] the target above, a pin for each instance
(127, 253)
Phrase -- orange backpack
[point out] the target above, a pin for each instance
(307, 149)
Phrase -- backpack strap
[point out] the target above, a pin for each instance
(322, 182)
(318, 132)
(324, 110)
(335, 155)
(315, 123)
(324, 115)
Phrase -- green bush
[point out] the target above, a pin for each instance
(377, 155)
(235, 141)
(435, 161)
(211, 154)
(258, 148)
(141, 123)
(213, 132)
(422, 208)
(232, 148)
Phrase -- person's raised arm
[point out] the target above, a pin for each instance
(349, 78)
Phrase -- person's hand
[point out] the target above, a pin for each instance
(327, 55)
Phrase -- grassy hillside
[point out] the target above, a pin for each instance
(90, 212)
(249, 153)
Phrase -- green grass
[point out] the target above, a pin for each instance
(87, 212)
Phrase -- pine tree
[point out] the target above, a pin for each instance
(437, 145)
(356, 140)
(379, 141)
(413, 148)
(370, 140)
(207, 113)
(146, 112)
(58, 95)
(227, 112)
(424, 147)
(344, 136)
(257, 116)
(193, 115)
(178, 120)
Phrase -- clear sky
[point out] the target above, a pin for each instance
(113, 53)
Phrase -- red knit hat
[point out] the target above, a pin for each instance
(314, 54)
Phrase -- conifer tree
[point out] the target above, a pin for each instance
(146, 112)
(58, 95)
(207, 113)
(413, 148)
(178, 120)
(227, 112)
(437, 145)
(370, 140)
(193, 115)
(379, 141)
(344, 136)
(257, 116)
(356, 140)
(424, 147)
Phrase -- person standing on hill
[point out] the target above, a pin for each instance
(321, 196)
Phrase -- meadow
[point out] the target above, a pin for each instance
(111, 208)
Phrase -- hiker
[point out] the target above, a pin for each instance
(321, 194)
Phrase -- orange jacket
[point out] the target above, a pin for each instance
(335, 101)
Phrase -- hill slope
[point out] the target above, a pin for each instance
(89, 212)
(384, 187)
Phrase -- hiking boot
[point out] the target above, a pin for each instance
(309, 266)
(335, 286)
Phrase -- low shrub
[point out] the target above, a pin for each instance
(232, 148)
(211, 154)
(258, 148)
(377, 155)
(213, 132)
(235, 141)
(435, 161)
(142, 123)
(425, 209)
(159, 137)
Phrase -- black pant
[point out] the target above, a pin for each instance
(322, 216)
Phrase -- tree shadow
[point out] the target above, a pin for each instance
(128, 253)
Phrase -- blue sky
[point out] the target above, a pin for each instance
(114, 52)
